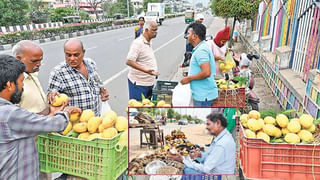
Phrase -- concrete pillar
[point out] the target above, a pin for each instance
(254, 36)
(265, 42)
(283, 56)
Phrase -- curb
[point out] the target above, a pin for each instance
(71, 35)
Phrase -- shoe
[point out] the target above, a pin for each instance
(62, 177)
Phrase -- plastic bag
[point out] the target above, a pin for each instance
(104, 107)
(228, 64)
(181, 95)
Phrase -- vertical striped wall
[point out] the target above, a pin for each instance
(293, 23)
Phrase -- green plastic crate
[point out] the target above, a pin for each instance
(94, 160)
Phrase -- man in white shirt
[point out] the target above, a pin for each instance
(142, 61)
(33, 98)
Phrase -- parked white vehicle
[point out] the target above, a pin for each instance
(155, 12)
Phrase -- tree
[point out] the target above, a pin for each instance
(84, 15)
(57, 14)
(38, 14)
(94, 5)
(236, 9)
(177, 116)
(170, 113)
(13, 12)
(167, 10)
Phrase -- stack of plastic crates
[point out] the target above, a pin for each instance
(94, 160)
(163, 91)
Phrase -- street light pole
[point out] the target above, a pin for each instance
(128, 7)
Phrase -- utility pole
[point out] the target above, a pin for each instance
(128, 7)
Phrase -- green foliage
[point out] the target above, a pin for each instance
(121, 7)
(57, 14)
(238, 9)
(51, 32)
(84, 15)
(38, 14)
(13, 12)
(167, 10)
(170, 113)
(177, 115)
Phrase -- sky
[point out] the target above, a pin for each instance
(200, 113)
(204, 2)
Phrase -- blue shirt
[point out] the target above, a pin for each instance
(220, 158)
(18, 152)
(205, 88)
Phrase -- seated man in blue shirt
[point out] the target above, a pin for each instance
(202, 68)
(220, 157)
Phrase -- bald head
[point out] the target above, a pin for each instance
(29, 53)
(150, 30)
(74, 53)
(23, 46)
(73, 42)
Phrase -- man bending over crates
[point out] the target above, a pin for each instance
(219, 158)
(142, 61)
(18, 153)
(202, 68)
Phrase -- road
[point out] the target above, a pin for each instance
(109, 49)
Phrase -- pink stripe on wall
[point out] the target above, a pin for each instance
(312, 42)
(278, 30)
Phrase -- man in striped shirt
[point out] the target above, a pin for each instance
(18, 153)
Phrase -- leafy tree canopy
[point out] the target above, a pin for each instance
(13, 12)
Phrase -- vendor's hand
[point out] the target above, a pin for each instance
(72, 109)
(51, 96)
(221, 58)
(152, 72)
(195, 154)
(176, 157)
(185, 80)
(104, 94)
(54, 109)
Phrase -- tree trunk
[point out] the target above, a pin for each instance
(232, 30)
(226, 22)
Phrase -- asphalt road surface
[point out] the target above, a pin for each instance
(109, 49)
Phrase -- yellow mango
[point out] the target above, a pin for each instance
(109, 133)
(94, 136)
(59, 100)
(93, 124)
(86, 115)
(84, 135)
(121, 123)
(80, 127)
(74, 117)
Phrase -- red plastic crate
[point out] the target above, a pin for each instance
(262, 160)
(230, 98)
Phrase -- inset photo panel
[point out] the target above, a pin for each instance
(182, 141)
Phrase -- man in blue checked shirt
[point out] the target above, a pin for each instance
(18, 153)
(78, 78)
(219, 158)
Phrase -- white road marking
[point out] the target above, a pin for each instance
(127, 68)
(90, 48)
(125, 38)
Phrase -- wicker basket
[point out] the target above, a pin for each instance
(167, 170)
(230, 98)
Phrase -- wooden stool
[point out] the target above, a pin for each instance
(153, 137)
